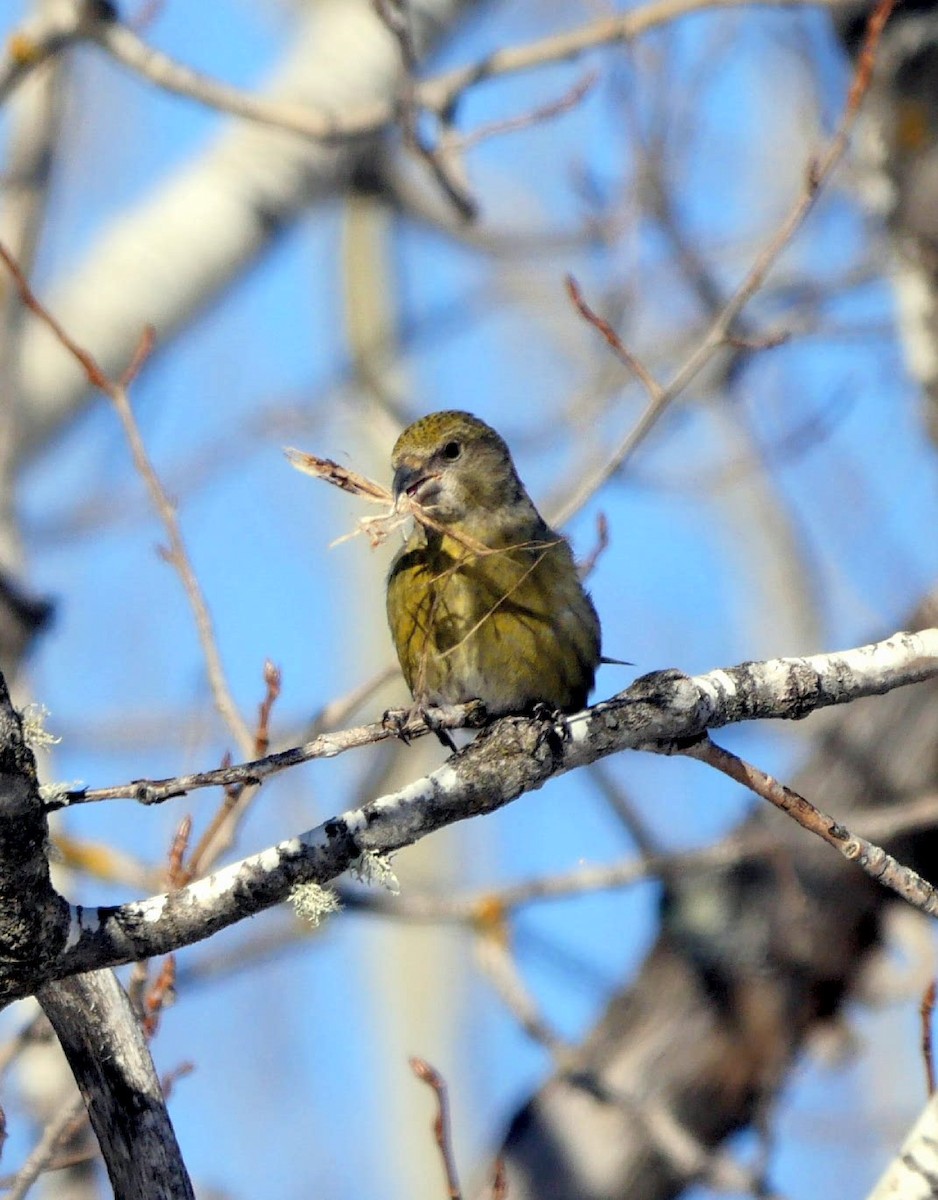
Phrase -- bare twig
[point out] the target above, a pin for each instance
(177, 554)
(500, 1179)
(58, 1162)
(59, 1129)
(443, 158)
(148, 1001)
(176, 874)
(441, 1126)
(654, 389)
(818, 172)
(495, 960)
(535, 116)
(33, 44)
(869, 857)
(274, 681)
(171, 1078)
(926, 1010)
(325, 745)
(220, 829)
(162, 992)
(588, 565)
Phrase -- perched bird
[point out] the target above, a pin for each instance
(484, 600)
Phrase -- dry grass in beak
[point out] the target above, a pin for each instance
(376, 529)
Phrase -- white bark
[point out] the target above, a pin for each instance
(913, 1173)
(171, 255)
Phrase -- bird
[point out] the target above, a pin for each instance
(484, 600)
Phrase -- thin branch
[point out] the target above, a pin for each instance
(473, 907)
(441, 1124)
(629, 360)
(817, 174)
(871, 858)
(781, 688)
(588, 564)
(664, 712)
(177, 554)
(326, 745)
(495, 960)
(34, 43)
(443, 158)
(534, 116)
(926, 1011)
(40, 1158)
(222, 829)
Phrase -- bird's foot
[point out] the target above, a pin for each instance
(556, 731)
(395, 721)
(438, 718)
(434, 717)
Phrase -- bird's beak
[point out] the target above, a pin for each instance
(419, 485)
(404, 479)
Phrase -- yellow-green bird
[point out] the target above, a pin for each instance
(484, 599)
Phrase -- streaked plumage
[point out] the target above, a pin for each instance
(510, 625)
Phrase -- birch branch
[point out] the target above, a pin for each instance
(661, 711)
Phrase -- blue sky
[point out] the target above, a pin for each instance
(301, 1061)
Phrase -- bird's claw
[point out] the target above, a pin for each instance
(556, 730)
(395, 722)
(433, 719)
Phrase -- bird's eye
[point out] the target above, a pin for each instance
(452, 451)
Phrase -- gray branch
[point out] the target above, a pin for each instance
(120, 1087)
(91, 1015)
(513, 756)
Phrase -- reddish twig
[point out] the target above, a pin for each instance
(926, 1009)
(149, 1002)
(176, 875)
(171, 1078)
(221, 830)
(273, 680)
(872, 859)
(588, 565)
(441, 1127)
(162, 993)
(229, 800)
(176, 554)
(622, 353)
(142, 352)
(500, 1180)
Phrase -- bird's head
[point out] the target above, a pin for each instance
(457, 468)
